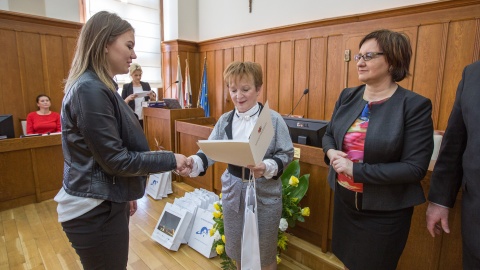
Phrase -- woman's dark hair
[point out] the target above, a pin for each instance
(397, 50)
(42, 95)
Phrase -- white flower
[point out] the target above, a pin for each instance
(217, 236)
(283, 224)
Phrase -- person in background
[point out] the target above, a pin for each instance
(244, 82)
(457, 167)
(105, 150)
(130, 91)
(378, 143)
(43, 121)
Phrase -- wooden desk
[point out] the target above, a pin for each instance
(31, 170)
(159, 123)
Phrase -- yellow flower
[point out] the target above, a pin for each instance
(223, 239)
(216, 206)
(220, 249)
(293, 181)
(306, 212)
(220, 196)
(212, 232)
(217, 214)
(278, 259)
(282, 243)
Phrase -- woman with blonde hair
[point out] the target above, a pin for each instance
(106, 153)
(131, 90)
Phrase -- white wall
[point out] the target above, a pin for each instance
(62, 9)
(57, 9)
(225, 18)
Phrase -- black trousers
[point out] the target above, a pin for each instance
(100, 236)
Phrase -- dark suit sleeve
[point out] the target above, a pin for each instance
(416, 150)
(125, 91)
(146, 87)
(448, 172)
(328, 141)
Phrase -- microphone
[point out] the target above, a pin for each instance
(169, 87)
(304, 93)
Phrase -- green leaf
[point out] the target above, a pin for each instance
(302, 188)
(292, 169)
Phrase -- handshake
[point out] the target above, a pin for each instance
(184, 165)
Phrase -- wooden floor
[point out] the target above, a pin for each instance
(31, 238)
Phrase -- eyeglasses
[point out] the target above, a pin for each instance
(367, 56)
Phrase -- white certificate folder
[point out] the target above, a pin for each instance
(243, 152)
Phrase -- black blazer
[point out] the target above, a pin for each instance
(458, 162)
(128, 90)
(398, 146)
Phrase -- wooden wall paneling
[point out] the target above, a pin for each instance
(218, 80)
(460, 41)
(316, 83)
(238, 54)
(285, 89)
(248, 53)
(273, 75)
(69, 46)
(412, 33)
(476, 51)
(334, 77)
(300, 75)
(11, 95)
(260, 58)
(351, 43)
(215, 109)
(227, 59)
(429, 64)
(54, 69)
(32, 68)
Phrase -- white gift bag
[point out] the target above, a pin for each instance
(250, 243)
(200, 238)
(171, 227)
(157, 185)
(191, 207)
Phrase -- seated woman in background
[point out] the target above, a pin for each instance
(130, 91)
(43, 121)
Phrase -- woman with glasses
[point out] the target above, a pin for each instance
(132, 92)
(376, 167)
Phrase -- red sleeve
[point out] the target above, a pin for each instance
(59, 127)
(30, 120)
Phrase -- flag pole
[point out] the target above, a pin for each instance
(201, 81)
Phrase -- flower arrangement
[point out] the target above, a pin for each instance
(294, 188)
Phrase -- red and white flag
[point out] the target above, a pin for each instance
(179, 96)
(188, 86)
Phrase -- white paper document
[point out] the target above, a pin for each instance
(142, 94)
(243, 152)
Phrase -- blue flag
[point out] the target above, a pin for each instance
(204, 92)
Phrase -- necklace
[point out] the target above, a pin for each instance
(247, 117)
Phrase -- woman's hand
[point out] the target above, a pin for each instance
(258, 170)
(152, 95)
(188, 167)
(133, 207)
(343, 165)
(333, 154)
(130, 98)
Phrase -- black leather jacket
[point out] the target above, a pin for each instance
(105, 150)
